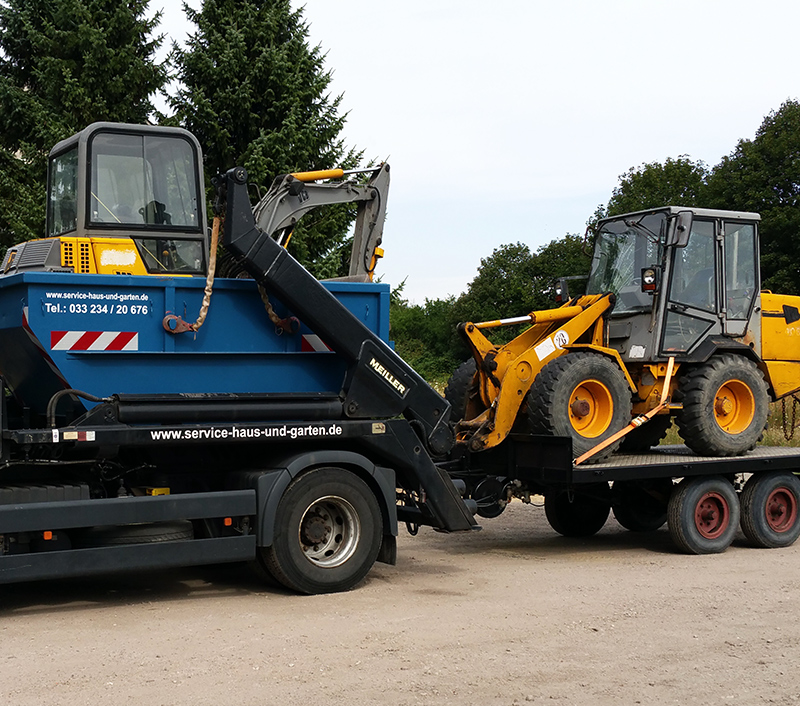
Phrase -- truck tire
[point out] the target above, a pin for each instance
(703, 515)
(583, 396)
(578, 513)
(458, 388)
(725, 406)
(640, 508)
(328, 530)
(770, 509)
(646, 436)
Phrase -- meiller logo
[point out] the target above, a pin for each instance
(386, 375)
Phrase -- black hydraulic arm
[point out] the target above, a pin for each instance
(379, 384)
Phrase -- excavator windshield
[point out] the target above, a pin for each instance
(622, 249)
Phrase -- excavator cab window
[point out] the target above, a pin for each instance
(170, 255)
(145, 181)
(62, 202)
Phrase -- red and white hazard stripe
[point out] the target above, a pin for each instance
(310, 342)
(94, 341)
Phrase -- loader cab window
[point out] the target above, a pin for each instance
(143, 181)
(171, 255)
(693, 280)
(741, 282)
(62, 197)
(622, 248)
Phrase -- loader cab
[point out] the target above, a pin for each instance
(685, 278)
(122, 199)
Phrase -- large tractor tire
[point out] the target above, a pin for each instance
(725, 406)
(583, 396)
(458, 389)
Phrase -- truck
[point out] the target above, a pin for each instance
(296, 439)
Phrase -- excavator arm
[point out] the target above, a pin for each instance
(291, 196)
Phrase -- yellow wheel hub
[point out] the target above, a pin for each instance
(591, 408)
(734, 406)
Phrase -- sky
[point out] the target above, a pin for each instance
(511, 121)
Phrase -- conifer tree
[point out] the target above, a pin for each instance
(256, 95)
(63, 65)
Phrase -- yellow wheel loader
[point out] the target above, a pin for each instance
(672, 324)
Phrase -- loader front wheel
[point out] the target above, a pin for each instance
(725, 406)
(583, 396)
(458, 389)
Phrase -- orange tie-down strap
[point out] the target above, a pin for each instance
(637, 421)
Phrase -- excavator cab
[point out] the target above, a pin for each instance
(121, 199)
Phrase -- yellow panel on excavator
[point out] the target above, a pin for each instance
(780, 328)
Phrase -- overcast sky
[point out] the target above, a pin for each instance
(512, 120)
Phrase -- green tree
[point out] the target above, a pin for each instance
(676, 182)
(513, 281)
(65, 64)
(256, 94)
(763, 175)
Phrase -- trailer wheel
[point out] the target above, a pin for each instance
(577, 513)
(703, 515)
(328, 529)
(641, 509)
(770, 503)
(583, 396)
(458, 388)
(725, 406)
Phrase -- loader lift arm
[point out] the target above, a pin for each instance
(378, 384)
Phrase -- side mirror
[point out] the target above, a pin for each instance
(680, 229)
(561, 291)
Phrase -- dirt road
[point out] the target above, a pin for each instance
(511, 615)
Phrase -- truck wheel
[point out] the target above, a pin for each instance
(646, 436)
(703, 515)
(725, 406)
(143, 533)
(770, 503)
(638, 508)
(328, 530)
(583, 396)
(577, 513)
(458, 388)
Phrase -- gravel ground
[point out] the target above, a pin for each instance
(514, 614)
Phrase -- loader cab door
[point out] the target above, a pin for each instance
(712, 284)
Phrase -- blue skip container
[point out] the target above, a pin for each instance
(104, 334)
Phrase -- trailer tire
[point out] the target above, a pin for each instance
(583, 396)
(646, 436)
(328, 530)
(638, 508)
(458, 388)
(578, 513)
(725, 406)
(703, 515)
(771, 509)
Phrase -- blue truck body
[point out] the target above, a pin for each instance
(103, 334)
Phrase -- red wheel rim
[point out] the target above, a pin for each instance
(712, 515)
(781, 510)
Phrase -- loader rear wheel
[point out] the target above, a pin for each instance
(328, 530)
(771, 509)
(458, 389)
(583, 396)
(725, 406)
(578, 513)
(703, 515)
